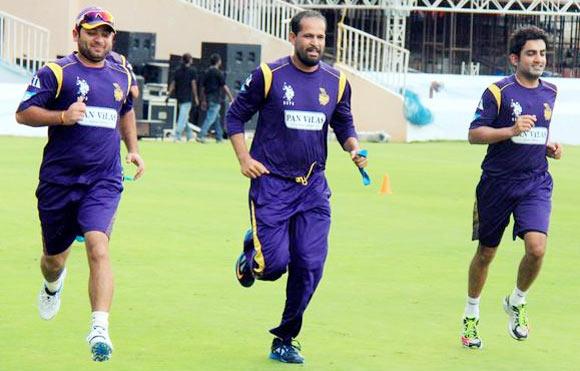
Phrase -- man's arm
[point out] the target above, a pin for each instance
(351, 145)
(128, 129)
(194, 92)
(228, 93)
(202, 99)
(246, 104)
(248, 166)
(170, 90)
(343, 126)
(134, 89)
(490, 135)
(37, 116)
(554, 150)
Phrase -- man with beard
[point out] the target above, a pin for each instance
(513, 118)
(84, 100)
(297, 98)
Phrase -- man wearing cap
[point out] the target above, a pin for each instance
(84, 100)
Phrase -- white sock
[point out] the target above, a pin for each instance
(53, 287)
(518, 297)
(100, 319)
(472, 308)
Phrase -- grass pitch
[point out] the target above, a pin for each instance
(391, 298)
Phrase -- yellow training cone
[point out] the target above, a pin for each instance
(385, 186)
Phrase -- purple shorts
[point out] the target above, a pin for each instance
(529, 200)
(291, 223)
(69, 211)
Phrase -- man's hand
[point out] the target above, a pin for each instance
(252, 168)
(524, 123)
(136, 159)
(74, 113)
(359, 161)
(554, 150)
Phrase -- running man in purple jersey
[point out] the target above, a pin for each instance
(513, 118)
(85, 101)
(297, 98)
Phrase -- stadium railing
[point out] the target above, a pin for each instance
(358, 50)
(23, 45)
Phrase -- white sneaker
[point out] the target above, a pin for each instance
(100, 344)
(49, 305)
(518, 324)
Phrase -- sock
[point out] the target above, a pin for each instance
(517, 298)
(100, 319)
(472, 308)
(52, 287)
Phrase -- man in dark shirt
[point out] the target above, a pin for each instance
(213, 84)
(184, 85)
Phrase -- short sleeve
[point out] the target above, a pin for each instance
(41, 91)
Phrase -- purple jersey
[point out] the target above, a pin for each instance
(522, 156)
(89, 150)
(122, 60)
(295, 110)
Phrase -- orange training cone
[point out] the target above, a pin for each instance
(385, 186)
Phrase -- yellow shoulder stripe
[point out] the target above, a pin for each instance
(57, 70)
(341, 85)
(495, 90)
(267, 78)
(129, 79)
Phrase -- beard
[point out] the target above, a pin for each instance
(532, 74)
(306, 60)
(91, 56)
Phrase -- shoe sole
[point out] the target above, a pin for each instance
(473, 346)
(101, 352)
(506, 308)
(245, 282)
(275, 357)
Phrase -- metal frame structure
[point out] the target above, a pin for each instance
(358, 50)
(447, 47)
(522, 7)
(23, 45)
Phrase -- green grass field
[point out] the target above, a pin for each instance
(391, 298)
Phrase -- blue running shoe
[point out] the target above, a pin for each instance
(100, 344)
(101, 352)
(244, 272)
(286, 351)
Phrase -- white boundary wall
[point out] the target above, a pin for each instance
(454, 105)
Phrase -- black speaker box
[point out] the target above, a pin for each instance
(235, 57)
(138, 47)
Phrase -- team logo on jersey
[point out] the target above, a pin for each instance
(547, 111)
(118, 92)
(246, 84)
(288, 99)
(83, 88)
(323, 98)
(480, 105)
(516, 109)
